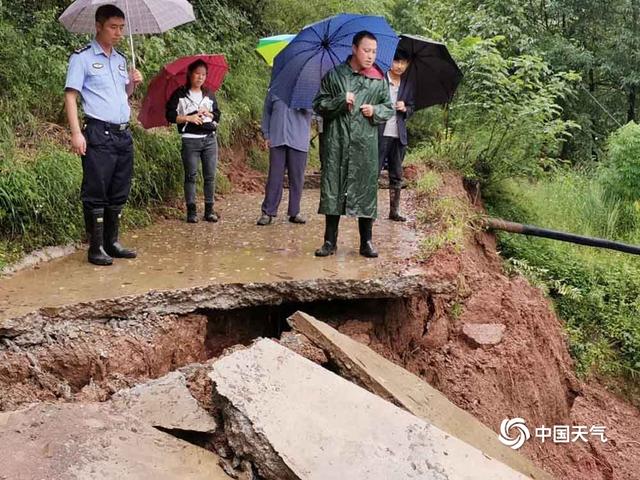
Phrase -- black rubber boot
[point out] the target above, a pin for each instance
(192, 213)
(394, 205)
(209, 214)
(95, 229)
(88, 222)
(365, 225)
(112, 246)
(330, 244)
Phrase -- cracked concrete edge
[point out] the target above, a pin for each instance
(249, 444)
(223, 297)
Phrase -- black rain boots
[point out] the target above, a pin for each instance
(365, 226)
(330, 236)
(94, 219)
(394, 205)
(209, 214)
(112, 246)
(192, 213)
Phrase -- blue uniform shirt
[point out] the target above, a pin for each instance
(101, 81)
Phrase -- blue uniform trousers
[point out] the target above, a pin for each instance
(107, 166)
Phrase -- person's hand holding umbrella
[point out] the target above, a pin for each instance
(135, 77)
(400, 106)
(350, 98)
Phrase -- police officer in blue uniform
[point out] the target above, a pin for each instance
(98, 73)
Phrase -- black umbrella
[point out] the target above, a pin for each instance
(433, 75)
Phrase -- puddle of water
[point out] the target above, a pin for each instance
(173, 255)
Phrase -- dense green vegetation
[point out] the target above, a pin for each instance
(537, 123)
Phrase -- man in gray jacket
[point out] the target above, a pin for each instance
(286, 132)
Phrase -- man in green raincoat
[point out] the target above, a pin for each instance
(353, 100)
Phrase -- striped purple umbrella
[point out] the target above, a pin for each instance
(142, 16)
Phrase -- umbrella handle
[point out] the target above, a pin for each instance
(133, 53)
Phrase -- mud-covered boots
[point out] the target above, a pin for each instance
(192, 213)
(112, 246)
(365, 225)
(394, 205)
(95, 231)
(330, 236)
(209, 214)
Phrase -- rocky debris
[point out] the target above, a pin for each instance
(366, 368)
(95, 442)
(90, 361)
(296, 420)
(483, 334)
(165, 402)
(303, 346)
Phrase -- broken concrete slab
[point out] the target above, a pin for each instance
(95, 442)
(302, 346)
(297, 420)
(165, 402)
(483, 334)
(370, 370)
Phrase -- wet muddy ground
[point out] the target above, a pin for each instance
(175, 255)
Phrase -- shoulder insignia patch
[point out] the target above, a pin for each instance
(121, 67)
(81, 49)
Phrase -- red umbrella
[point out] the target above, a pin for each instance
(172, 76)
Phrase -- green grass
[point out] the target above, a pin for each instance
(595, 291)
(429, 183)
(258, 159)
(447, 219)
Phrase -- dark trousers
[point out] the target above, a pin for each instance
(295, 162)
(107, 166)
(199, 150)
(391, 150)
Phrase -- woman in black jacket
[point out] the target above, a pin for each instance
(195, 111)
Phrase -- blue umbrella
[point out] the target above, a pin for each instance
(319, 47)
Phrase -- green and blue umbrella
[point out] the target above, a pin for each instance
(269, 47)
